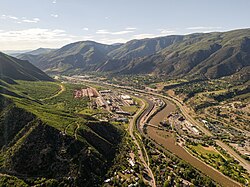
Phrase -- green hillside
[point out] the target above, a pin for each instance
(211, 55)
(44, 140)
(16, 69)
(199, 55)
(85, 55)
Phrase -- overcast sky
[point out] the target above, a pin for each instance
(30, 24)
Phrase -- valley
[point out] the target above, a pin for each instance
(171, 145)
(196, 56)
(165, 111)
(65, 152)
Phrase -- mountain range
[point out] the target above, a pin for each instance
(17, 69)
(198, 55)
(46, 140)
(38, 140)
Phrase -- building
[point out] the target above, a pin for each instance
(126, 97)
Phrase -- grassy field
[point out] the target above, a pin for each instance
(59, 111)
(81, 140)
(205, 150)
(66, 101)
(37, 90)
(130, 109)
(6, 180)
(221, 161)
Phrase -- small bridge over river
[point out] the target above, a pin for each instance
(151, 125)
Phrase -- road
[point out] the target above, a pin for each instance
(229, 150)
(62, 89)
(245, 164)
(136, 120)
(181, 152)
(186, 114)
(75, 133)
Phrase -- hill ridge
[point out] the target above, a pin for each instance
(194, 55)
(17, 69)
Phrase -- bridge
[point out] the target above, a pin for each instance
(155, 126)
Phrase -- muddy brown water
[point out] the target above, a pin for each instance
(169, 143)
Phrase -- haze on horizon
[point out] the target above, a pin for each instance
(31, 24)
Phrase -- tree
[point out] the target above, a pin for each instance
(166, 183)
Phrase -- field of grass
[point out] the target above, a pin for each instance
(37, 90)
(204, 150)
(130, 109)
(59, 111)
(221, 161)
(57, 108)
(66, 101)
(6, 180)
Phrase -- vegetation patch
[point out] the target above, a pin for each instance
(221, 161)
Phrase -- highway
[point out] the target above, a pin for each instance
(136, 120)
(245, 164)
(185, 113)
(144, 114)
(182, 152)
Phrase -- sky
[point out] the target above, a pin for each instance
(30, 24)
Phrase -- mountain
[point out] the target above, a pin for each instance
(20, 54)
(15, 53)
(31, 55)
(43, 145)
(20, 69)
(93, 56)
(211, 55)
(136, 49)
(80, 55)
(31, 149)
(198, 55)
(40, 51)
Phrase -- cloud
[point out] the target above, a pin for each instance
(106, 32)
(34, 20)
(37, 37)
(163, 32)
(166, 32)
(203, 28)
(112, 40)
(13, 17)
(130, 28)
(85, 29)
(54, 15)
(142, 36)
(54, 2)
(20, 20)
(121, 32)
(102, 31)
(110, 37)
(9, 17)
(31, 34)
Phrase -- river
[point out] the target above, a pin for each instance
(168, 142)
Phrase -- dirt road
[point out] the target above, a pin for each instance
(62, 89)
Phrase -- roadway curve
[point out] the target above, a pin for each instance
(62, 89)
(185, 113)
(182, 153)
(136, 120)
